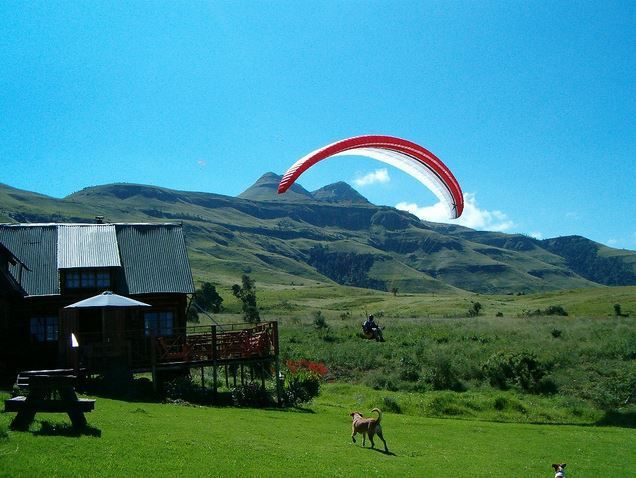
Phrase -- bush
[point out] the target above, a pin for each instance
(183, 389)
(302, 381)
(381, 380)
(613, 389)
(474, 310)
(555, 310)
(251, 395)
(442, 375)
(521, 370)
(319, 320)
(409, 370)
(390, 404)
(556, 333)
(551, 310)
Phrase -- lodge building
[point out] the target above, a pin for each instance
(47, 269)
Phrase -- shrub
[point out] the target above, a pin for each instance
(250, 395)
(3, 432)
(504, 403)
(183, 389)
(522, 370)
(381, 380)
(442, 375)
(474, 310)
(319, 320)
(409, 371)
(613, 389)
(390, 404)
(555, 310)
(302, 382)
(556, 333)
(550, 310)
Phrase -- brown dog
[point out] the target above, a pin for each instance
(367, 426)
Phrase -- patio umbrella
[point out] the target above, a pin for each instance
(108, 299)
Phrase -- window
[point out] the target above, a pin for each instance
(44, 329)
(159, 323)
(87, 279)
(72, 279)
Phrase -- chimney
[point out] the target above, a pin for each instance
(99, 219)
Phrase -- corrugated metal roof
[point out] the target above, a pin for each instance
(87, 245)
(36, 247)
(154, 258)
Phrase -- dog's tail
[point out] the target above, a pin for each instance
(379, 414)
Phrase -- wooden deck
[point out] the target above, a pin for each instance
(214, 347)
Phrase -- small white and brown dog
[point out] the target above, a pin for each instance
(559, 469)
(367, 426)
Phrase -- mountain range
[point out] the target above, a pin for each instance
(336, 235)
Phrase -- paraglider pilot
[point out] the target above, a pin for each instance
(372, 330)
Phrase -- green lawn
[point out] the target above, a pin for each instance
(142, 439)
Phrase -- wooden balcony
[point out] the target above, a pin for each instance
(193, 346)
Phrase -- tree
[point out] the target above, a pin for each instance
(247, 295)
(394, 291)
(208, 298)
(474, 309)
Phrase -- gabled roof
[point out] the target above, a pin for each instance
(148, 258)
(8, 284)
(154, 259)
(87, 245)
(35, 246)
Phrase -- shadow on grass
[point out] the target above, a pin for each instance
(616, 418)
(388, 453)
(64, 429)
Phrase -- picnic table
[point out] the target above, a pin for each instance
(48, 392)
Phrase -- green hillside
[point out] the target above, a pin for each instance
(335, 237)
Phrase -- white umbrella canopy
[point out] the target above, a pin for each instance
(107, 299)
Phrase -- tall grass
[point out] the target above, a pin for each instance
(587, 359)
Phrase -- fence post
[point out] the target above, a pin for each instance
(153, 360)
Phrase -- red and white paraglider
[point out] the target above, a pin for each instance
(405, 155)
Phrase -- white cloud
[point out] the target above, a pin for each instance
(472, 216)
(536, 235)
(202, 163)
(612, 242)
(377, 176)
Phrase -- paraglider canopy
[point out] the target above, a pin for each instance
(403, 154)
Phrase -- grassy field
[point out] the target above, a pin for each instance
(581, 363)
(301, 299)
(141, 439)
(443, 416)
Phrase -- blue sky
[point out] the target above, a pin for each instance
(531, 104)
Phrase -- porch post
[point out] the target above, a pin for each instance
(279, 391)
(214, 371)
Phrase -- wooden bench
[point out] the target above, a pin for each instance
(49, 394)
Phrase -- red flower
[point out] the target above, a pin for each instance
(318, 368)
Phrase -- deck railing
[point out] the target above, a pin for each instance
(192, 344)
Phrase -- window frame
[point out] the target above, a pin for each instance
(160, 323)
(88, 278)
(46, 331)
